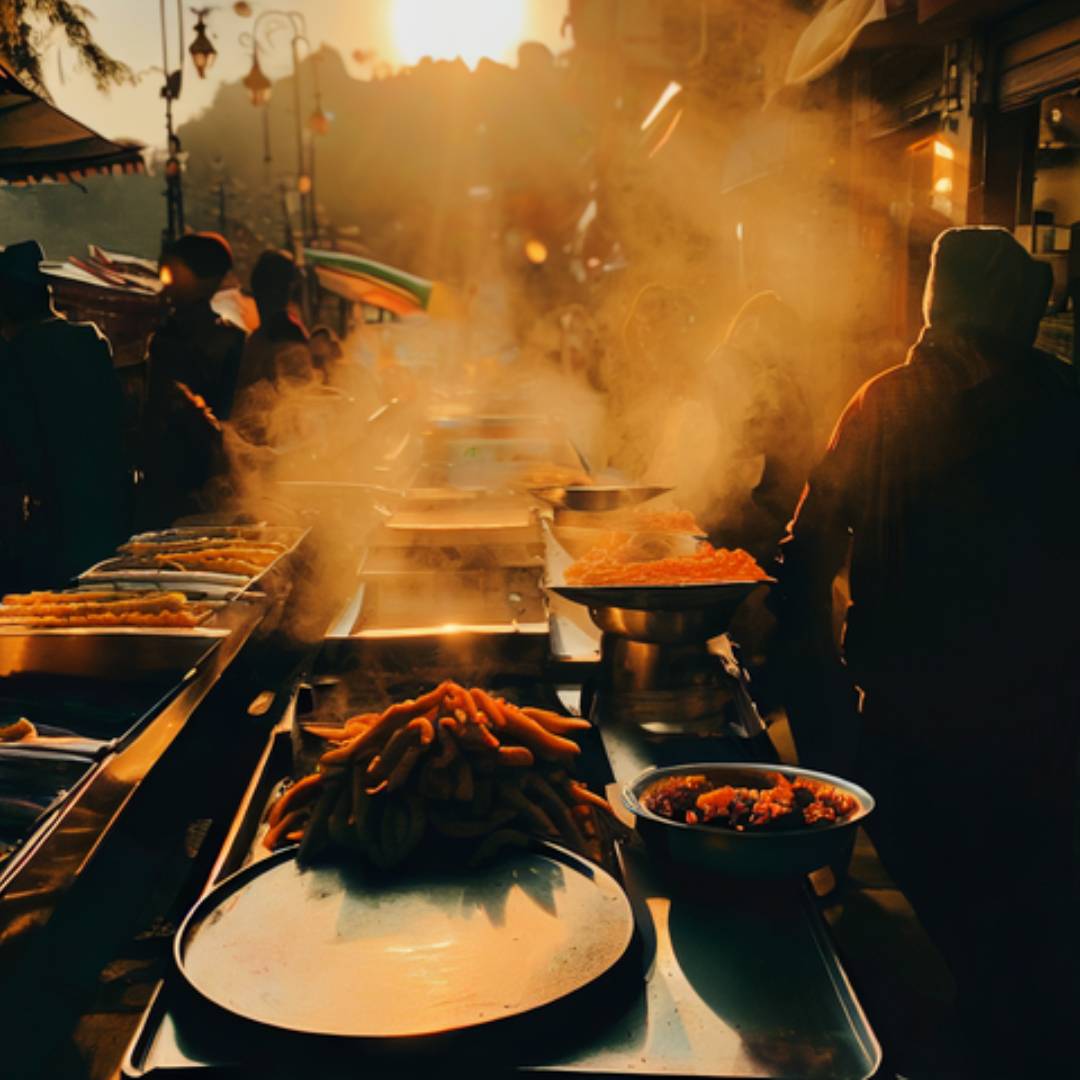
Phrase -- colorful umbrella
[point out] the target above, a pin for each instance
(40, 144)
(366, 281)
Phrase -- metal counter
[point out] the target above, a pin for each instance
(730, 980)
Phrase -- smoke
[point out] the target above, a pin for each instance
(738, 188)
(700, 325)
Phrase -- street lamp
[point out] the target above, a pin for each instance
(258, 87)
(255, 81)
(318, 122)
(202, 50)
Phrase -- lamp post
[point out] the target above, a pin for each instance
(258, 87)
(202, 54)
(170, 91)
(259, 90)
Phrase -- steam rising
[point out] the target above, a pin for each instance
(639, 333)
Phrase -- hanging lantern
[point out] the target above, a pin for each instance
(202, 50)
(258, 85)
(319, 122)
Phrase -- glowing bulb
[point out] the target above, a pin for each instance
(943, 185)
(166, 276)
(944, 150)
(303, 185)
(536, 251)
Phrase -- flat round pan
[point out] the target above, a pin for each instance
(334, 950)
(692, 597)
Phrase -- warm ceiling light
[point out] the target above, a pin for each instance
(257, 84)
(166, 276)
(202, 50)
(944, 150)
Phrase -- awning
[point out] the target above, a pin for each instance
(40, 144)
(828, 38)
(366, 281)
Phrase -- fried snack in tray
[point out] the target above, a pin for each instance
(614, 563)
(798, 803)
(100, 608)
(18, 731)
(468, 771)
(245, 559)
(269, 549)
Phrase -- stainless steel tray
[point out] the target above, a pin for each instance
(123, 568)
(113, 653)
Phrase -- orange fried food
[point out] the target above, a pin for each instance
(612, 564)
(679, 521)
(53, 610)
(456, 767)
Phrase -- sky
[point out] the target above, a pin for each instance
(398, 31)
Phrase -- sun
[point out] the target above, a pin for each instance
(445, 29)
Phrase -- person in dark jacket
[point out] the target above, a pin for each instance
(274, 284)
(952, 480)
(61, 412)
(194, 360)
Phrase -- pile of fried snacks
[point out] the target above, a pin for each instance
(614, 564)
(455, 764)
(677, 521)
(101, 608)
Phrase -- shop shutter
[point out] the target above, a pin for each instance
(1034, 66)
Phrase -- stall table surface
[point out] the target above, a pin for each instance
(729, 979)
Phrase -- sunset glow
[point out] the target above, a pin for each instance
(470, 29)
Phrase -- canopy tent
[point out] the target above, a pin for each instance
(366, 281)
(830, 35)
(40, 144)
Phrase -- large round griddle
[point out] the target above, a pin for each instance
(333, 950)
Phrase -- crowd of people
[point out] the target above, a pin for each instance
(71, 486)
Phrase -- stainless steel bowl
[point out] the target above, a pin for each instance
(594, 497)
(767, 854)
(662, 614)
(662, 627)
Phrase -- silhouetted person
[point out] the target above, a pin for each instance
(61, 432)
(194, 359)
(953, 479)
(326, 352)
(274, 284)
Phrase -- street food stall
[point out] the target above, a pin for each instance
(463, 829)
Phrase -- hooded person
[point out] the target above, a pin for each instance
(193, 361)
(950, 484)
(274, 284)
(61, 432)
